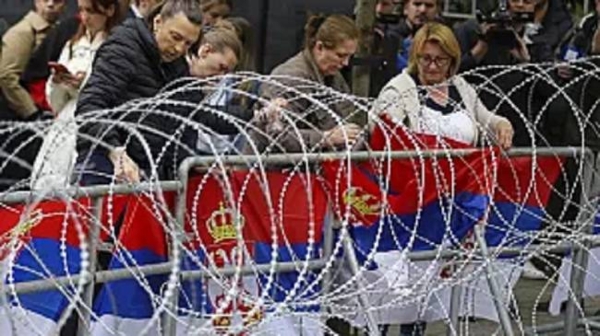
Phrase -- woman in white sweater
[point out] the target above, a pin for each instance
(55, 160)
(428, 98)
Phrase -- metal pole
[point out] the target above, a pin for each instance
(83, 327)
(455, 301)
(585, 219)
(494, 288)
(295, 158)
(169, 322)
(327, 253)
(93, 191)
(163, 268)
(363, 299)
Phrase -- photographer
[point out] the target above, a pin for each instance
(393, 35)
(519, 31)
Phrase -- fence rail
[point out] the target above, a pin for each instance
(96, 193)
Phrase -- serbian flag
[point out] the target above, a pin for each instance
(40, 242)
(398, 205)
(416, 203)
(129, 306)
(524, 187)
(245, 219)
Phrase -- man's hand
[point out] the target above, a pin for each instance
(270, 115)
(125, 168)
(272, 111)
(341, 134)
(504, 133)
(564, 71)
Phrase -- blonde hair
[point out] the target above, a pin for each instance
(441, 35)
(331, 31)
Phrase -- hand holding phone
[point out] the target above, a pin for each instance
(62, 75)
(59, 68)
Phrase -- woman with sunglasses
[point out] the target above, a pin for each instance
(429, 99)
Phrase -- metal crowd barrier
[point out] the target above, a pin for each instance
(580, 248)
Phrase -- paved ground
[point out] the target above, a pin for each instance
(533, 297)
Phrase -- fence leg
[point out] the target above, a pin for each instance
(455, 300)
(494, 288)
(327, 255)
(585, 219)
(83, 327)
(169, 322)
(363, 299)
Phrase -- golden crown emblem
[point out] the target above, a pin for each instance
(360, 201)
(221, 224)
(32, 220)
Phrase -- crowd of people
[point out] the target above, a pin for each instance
(113, 52)
(74, 75)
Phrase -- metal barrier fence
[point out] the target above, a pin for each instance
(90, 277)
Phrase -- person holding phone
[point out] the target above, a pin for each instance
(57, 155)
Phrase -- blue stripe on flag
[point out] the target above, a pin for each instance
(192, 297)
(512, 224)
(433, 227)
(127, 298)
(305, 294)
(41, 259)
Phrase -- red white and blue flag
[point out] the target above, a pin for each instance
(129, 306)
(244, 219)
(399, 205)
(41, 242)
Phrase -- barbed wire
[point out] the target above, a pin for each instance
(244, 216)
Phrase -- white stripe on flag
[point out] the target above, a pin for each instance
(15, 321)
(423, 295)
(290, 325)
(114, 325)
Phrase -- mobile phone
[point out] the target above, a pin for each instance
(58, 68)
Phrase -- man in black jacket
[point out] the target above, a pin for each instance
(136, 61)
(171, 122)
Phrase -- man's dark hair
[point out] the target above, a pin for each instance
(170, 8)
